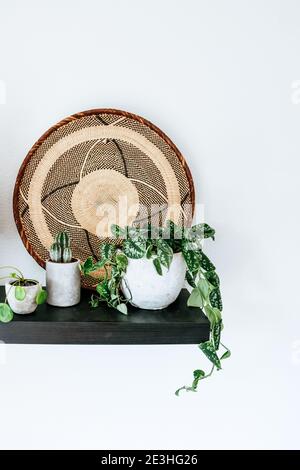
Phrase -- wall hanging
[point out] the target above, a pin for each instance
(91, 160)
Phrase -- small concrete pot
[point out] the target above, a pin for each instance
(63, 283)
(26, 306)
(145, 288)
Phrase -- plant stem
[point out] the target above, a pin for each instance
(6, 277)
(210, 373)
(12, 267)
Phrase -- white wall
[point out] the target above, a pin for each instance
(218, 78)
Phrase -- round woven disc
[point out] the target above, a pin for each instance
(93, 169)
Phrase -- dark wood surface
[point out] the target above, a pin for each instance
(177, 324)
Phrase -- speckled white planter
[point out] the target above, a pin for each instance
(22, 307)
(146, 289)
(63, 283)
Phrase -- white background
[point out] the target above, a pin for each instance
(220, 78)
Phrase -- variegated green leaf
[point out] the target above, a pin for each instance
(164, 253)
(216, 299)
(121, 261)
(192, 259)
(198, 375)
(212, 278)
(205, 263)
(157, 266)
(217, 334)
(201, 231)
(103, 290)
(107, 251)
(190, 279)
(88, 266)
(134, 248)
(117, 231)
(209, 350)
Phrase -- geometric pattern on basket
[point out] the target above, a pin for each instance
(92, 160)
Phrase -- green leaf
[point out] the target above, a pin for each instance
(122, 261)
(216, 299)
(136, 232)
(192, 259)
(203, 286)
(164, 253)
(135, 248)
(217, 328)
(174, 232)
(94, 302)
(205, 263)
(190, 279)
(195, 299)
(201, 231)
(117, 231)
(209, 350)
(87, 266)
(103, 290)
(226, 355)
(198, 375)
(212, 278)
(149, 251)
(157, 266)
(107, 251)
(20, 293)
(98, 265)
(122, 308)
(209, 232)
(213, 314)
(6, 313)
(41, 297)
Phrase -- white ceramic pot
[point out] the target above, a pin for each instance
(63, 283)
(146, 289)
(22, 307)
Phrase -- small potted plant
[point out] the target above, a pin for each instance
(23, 295)
(63, 278)
(148, 270)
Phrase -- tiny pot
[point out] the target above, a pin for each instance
(26, 306)
(63, 283)
(145, 288)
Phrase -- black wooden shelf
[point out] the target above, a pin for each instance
(177, 324)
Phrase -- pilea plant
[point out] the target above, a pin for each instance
(17, 280)
(60, 251)
(159, 244)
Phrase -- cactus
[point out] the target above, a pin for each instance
(63, 239)
(67, 255)
(55, 253)
(60, 251)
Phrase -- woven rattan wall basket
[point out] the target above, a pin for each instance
(92, 161)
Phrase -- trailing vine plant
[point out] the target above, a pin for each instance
(159, 244)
